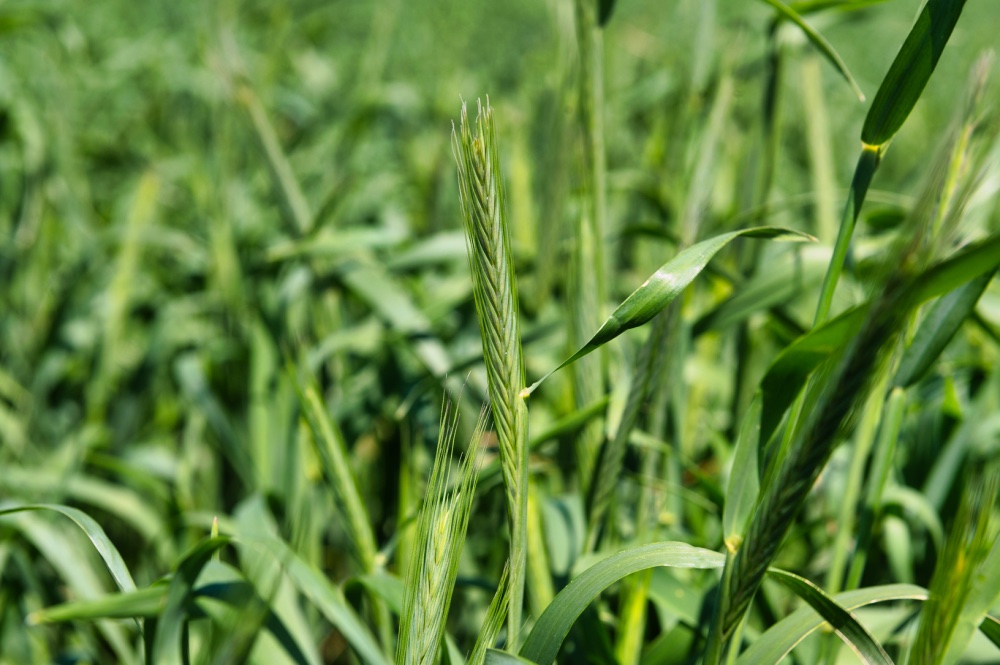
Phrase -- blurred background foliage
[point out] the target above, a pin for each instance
(201, 202)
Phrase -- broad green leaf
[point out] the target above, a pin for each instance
(167, 646)
(842, 621)
(496, 657)
(109, 553)
(554, 625)
(937, 329)
(665, 285)
(820, 42)
(910, 71)
(744, 479)
(782, 637)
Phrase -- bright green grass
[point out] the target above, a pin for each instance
(242, 277)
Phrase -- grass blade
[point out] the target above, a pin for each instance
(910, 71)
(554, 625)
(840, 618)
(782, 637)
(938, 328)
(109, 553)
(744, 478)
(170, 627)
(820, 42)
(665, 285)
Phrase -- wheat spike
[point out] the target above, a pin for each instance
(495, 292)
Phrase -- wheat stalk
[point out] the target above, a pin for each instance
(495, 292)
(832, 417)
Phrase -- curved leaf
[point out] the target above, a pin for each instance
(843, 622)
(819, 41)
(109, 553)
(783, 636)
(554, 625)
(665, 285)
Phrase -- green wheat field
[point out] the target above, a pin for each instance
(528, 332)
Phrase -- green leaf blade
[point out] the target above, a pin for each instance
(910, 71)
(663, 286)
(554, 625)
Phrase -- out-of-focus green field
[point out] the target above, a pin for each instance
(232, 249)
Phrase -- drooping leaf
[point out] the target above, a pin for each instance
(778, 641)
(820, 42)
(109, 553)
(843, 622)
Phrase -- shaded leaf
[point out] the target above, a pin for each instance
(938, 328)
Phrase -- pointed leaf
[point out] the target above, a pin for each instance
(843, 622)
(910, 71)
(819, 41)
(666, 284)
(109, 553)
(783, 636)
(744, 481)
